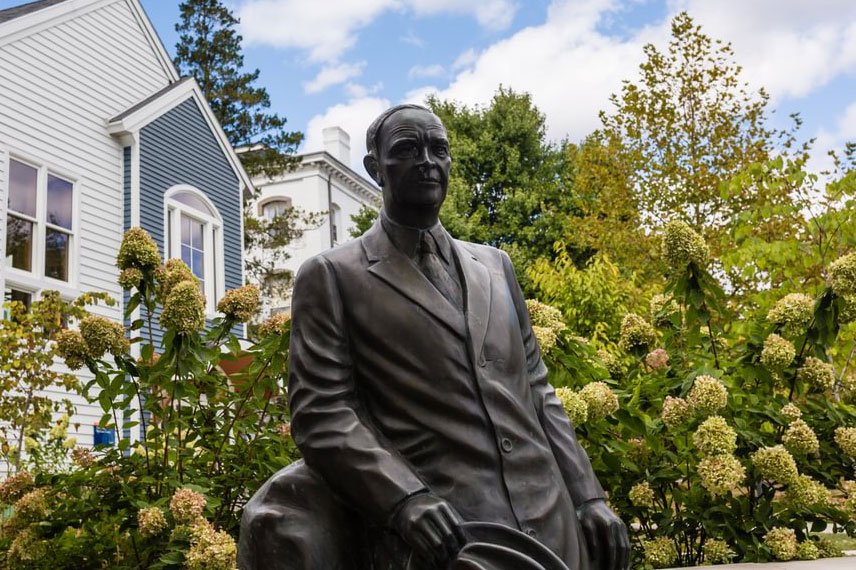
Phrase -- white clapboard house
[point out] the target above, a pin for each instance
(98, 134)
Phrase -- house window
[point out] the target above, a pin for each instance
(336, 221)
(194, 235)
(275, 208)
(39, 221)
(11, 294)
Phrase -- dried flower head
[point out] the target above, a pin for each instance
(800, 439)
(663, 308)
(775, 464)
(847, 312)
(676, 412)
(284, 429)
(717, 551)
(636, 333)
(849, 507)
(27, 550)
(33, 506)
(14, 487)
(642, 495)
(807, 550)
(83, 457)
(817, 374)
(778, 353)
(240, 304)
(546, 338)
(791, 413)
(707, 395)
(715, 437)
(682, 246)
(601, 400)
(210, 550)
(72, 348)
(611, 363)
(575, 405)
(845, 437)
(719, 474)
(103, 335)
(639, 450)
(186, 506)
(138, 250)
(658, 359)
(544, 315)
(807, 493)
(170, 274)
(660, 552)
(793, 313)
(827, 549)
(130, 278)
(184, 310)
(782, 542)
(842, 275)
(275, 325)
(151, 521)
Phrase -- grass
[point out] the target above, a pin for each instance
(840, 540)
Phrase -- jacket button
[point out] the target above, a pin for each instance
(506, 445)
(482, 361)
(531, 532)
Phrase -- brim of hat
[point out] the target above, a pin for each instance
(482, 535)
(484, 556)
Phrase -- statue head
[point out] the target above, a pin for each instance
(408, 156)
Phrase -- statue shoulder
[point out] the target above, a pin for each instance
(487, 254)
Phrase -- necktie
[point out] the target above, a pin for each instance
(432, 267)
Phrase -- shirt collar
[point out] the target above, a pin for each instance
(407, 239)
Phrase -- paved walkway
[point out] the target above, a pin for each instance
(846, 563)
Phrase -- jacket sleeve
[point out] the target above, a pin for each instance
(573, 462)
(329, 424)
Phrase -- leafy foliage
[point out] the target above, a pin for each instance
(219, 435)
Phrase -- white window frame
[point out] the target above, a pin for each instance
(267, 201)
(335, 222)
(35, 280)
(212, 240)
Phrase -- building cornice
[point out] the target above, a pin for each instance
(345, 175)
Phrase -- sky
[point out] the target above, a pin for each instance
(341, 62)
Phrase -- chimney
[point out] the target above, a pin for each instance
(338, 143)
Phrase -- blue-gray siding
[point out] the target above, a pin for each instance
(179, 148)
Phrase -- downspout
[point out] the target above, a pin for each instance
(330, 208)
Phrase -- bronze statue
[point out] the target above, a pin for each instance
(420, 401)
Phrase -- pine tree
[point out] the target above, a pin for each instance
(209, 49)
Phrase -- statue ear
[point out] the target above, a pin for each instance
(370, 162)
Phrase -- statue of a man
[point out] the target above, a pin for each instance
(417, 389)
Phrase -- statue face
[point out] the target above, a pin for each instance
(413, 162)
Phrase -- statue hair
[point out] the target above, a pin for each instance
(374, 128)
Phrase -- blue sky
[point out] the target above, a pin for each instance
(340, 62)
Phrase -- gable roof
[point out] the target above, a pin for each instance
(23, 9)
(160, 102)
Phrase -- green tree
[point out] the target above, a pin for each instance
(688, 125)
(363, 220)
(209, 49)
(509, 187)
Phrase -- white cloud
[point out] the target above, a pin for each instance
(333, 75)
(834, 139)
(354, 117)
(491, 14)
(411, 38)
(419, 94)
(327, 29)
(466, 59)
(359, 91)
(435, 70)
(790, 47)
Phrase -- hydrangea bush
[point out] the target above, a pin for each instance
(204, 441)
(721, 433)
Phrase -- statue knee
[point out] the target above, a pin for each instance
(294, 522)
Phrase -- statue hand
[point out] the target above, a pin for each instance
(431, 526)
(606, 536)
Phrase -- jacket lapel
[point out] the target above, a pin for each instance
(477, 285)
(393, 267)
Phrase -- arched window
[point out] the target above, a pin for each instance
(270, 209)
(194, 234)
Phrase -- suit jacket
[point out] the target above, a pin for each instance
(394, 391)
